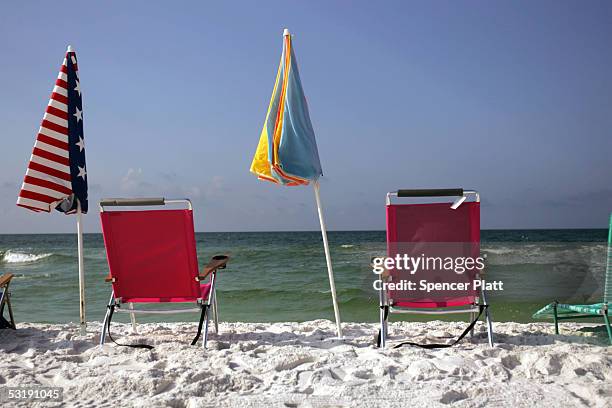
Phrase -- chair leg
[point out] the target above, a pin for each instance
(386, 324)
(555, 318)
(608, 328)
(472, 316)
(383, 328)
(216, 313)
(206, 318)
(105, 321)
(5, 300)
(132, 317)
(487, 318)
(489, 326)
(10, 311)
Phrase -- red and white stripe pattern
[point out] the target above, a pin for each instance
(47, 181)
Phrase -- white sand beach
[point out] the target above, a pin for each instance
(296, 365)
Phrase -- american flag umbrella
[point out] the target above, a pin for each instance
(287, 152)
(56, 177)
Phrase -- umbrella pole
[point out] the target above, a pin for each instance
(330, 270)
(83, 326)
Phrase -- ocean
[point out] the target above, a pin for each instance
(281, 276)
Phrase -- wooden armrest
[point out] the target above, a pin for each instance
(5, 279)
(109, 279)
(216, 262)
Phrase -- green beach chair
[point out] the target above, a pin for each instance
(561, 311)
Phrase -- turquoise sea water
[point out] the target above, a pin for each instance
(281, 276)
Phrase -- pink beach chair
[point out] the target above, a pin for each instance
(152, 259)
(437, 230)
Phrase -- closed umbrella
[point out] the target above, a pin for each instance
(56, 177)
(287, 151)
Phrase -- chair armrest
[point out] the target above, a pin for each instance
(216, 262)
(109, 279)
(5, 279)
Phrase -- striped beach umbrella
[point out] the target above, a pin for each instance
(56, 177)
(287, 151)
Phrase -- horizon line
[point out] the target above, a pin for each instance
(295, 231)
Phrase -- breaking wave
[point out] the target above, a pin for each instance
(14, 257)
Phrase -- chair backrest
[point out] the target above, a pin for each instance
(151, 255)
(608, 284)
(434, 230)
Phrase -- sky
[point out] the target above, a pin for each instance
(513, 99)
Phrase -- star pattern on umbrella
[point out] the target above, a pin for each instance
(81, 144)
(82, 172)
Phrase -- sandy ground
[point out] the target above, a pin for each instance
(297, 365)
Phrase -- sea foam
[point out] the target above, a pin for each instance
(20, 257)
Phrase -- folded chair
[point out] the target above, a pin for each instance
(561, 311)
(436, 230)
(152, 259)
(5, 280)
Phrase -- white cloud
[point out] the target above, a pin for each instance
(132, 180)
